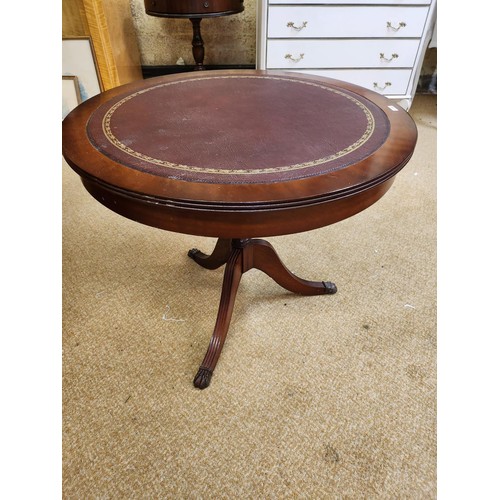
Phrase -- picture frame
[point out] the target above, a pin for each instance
(78, 59)
(71, 96)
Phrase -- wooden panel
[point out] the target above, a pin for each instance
(74, 22)
(123, 39)
(96, 19)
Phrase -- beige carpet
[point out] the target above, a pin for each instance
(313, 397)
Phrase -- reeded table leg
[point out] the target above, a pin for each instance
(232, 276)
(243, 255)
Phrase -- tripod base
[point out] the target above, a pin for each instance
(241, 255)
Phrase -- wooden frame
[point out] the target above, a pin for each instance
(71, 96)
(79, 59)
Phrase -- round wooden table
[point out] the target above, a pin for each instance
(238, 155)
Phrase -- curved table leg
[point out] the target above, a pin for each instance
(232, 276)
(217, 258)
(241, 256)
(266, 259)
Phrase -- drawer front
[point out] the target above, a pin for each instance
(383, 81)
(351, 2)
(316, 54)
(346, 21)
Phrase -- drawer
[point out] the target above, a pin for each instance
(345, 21)
(383, 81)
(315, 54)
(350, 2)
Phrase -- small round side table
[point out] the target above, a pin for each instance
(195, 11)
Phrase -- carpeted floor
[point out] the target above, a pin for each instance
(313, 397)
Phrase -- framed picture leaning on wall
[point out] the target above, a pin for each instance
(78, 59)
(71, 96)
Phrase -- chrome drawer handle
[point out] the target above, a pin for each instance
(296, 28)
(387, 84)
(402, 24)
(294, 59)
(383, 58)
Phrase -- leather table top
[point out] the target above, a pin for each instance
(230, 129)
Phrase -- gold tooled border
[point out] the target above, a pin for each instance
(106, 127)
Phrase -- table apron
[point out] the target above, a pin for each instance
(233, 223)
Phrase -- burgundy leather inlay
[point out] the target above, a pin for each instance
(238, 129)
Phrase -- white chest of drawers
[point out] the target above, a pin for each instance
(378, 44)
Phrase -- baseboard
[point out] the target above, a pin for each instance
(151, 71)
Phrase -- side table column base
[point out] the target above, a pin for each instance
(198, 46)
(241, 255)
